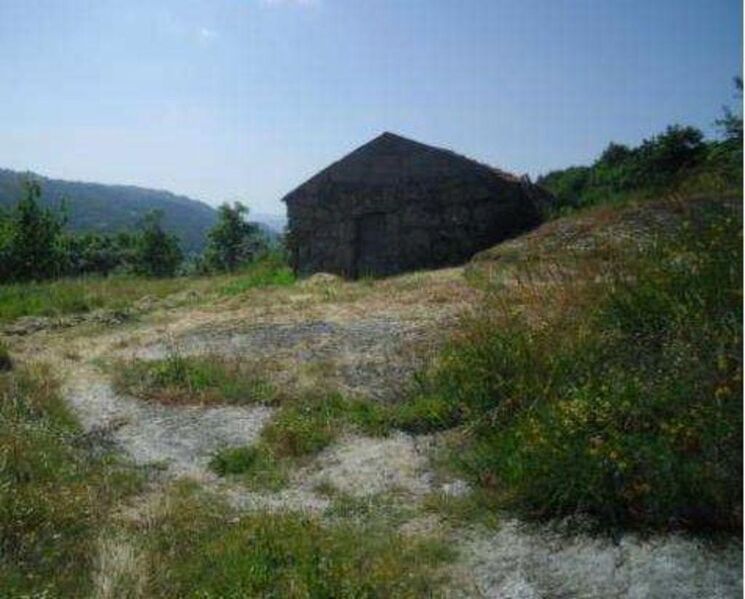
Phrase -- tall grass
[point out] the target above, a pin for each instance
(626, 405)
(54, 493)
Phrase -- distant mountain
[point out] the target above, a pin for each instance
(112, 208)
(269, 222)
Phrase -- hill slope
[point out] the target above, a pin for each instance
(112, 208)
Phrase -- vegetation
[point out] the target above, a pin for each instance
(626, 405)
(678, 160)
(269, 269)
(302, 426)
(54, 494)
(203, 380)
(119, 292)
(157, 253)
(83, 294)
(6, 362)
(198, 545)
(107, 210)
(233, 241)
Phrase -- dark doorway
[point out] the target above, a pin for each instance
(372, 245)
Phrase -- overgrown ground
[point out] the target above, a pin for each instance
(547, 421)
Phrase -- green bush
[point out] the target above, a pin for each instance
(628, 407)
(678, 160)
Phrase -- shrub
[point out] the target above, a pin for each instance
(628, 406)
(233, 241)
(156, 253)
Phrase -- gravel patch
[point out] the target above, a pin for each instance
(521, 562)
(181, 439)
(374, 358)
(362, 466)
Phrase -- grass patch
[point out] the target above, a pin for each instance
(301, 427)
(120, 292)
(479, 506)
(626, 405)
(271, 271)
(256, 466)
(67, 296)
(203, 380)
(200, 548)
(54, 495)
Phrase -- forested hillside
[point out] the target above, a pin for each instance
(94, 207)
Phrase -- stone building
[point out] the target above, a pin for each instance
(396, 205)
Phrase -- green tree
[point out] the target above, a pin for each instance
(662, 158)
(233, 240)
(32, 237)
(156, 253)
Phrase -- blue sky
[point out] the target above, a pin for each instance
(245, 99)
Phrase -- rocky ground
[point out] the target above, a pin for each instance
(365, 339)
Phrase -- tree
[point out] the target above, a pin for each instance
(614, 155)
(662, 158)
(233, 240)
(156, 253)
(32, 237)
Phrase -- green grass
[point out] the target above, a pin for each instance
(203, 380)
(267, 272)
(301, 427)
(626, 406)
(121, 292)
(54, 495)
(256, 466)
(67, 296)
(199, 548)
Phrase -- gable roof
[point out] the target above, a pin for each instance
(390, 159)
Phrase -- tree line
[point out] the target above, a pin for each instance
(680, 158)
(35, 245)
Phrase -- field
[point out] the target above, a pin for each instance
(575, 391)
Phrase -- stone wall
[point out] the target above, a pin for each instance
(353, 229)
